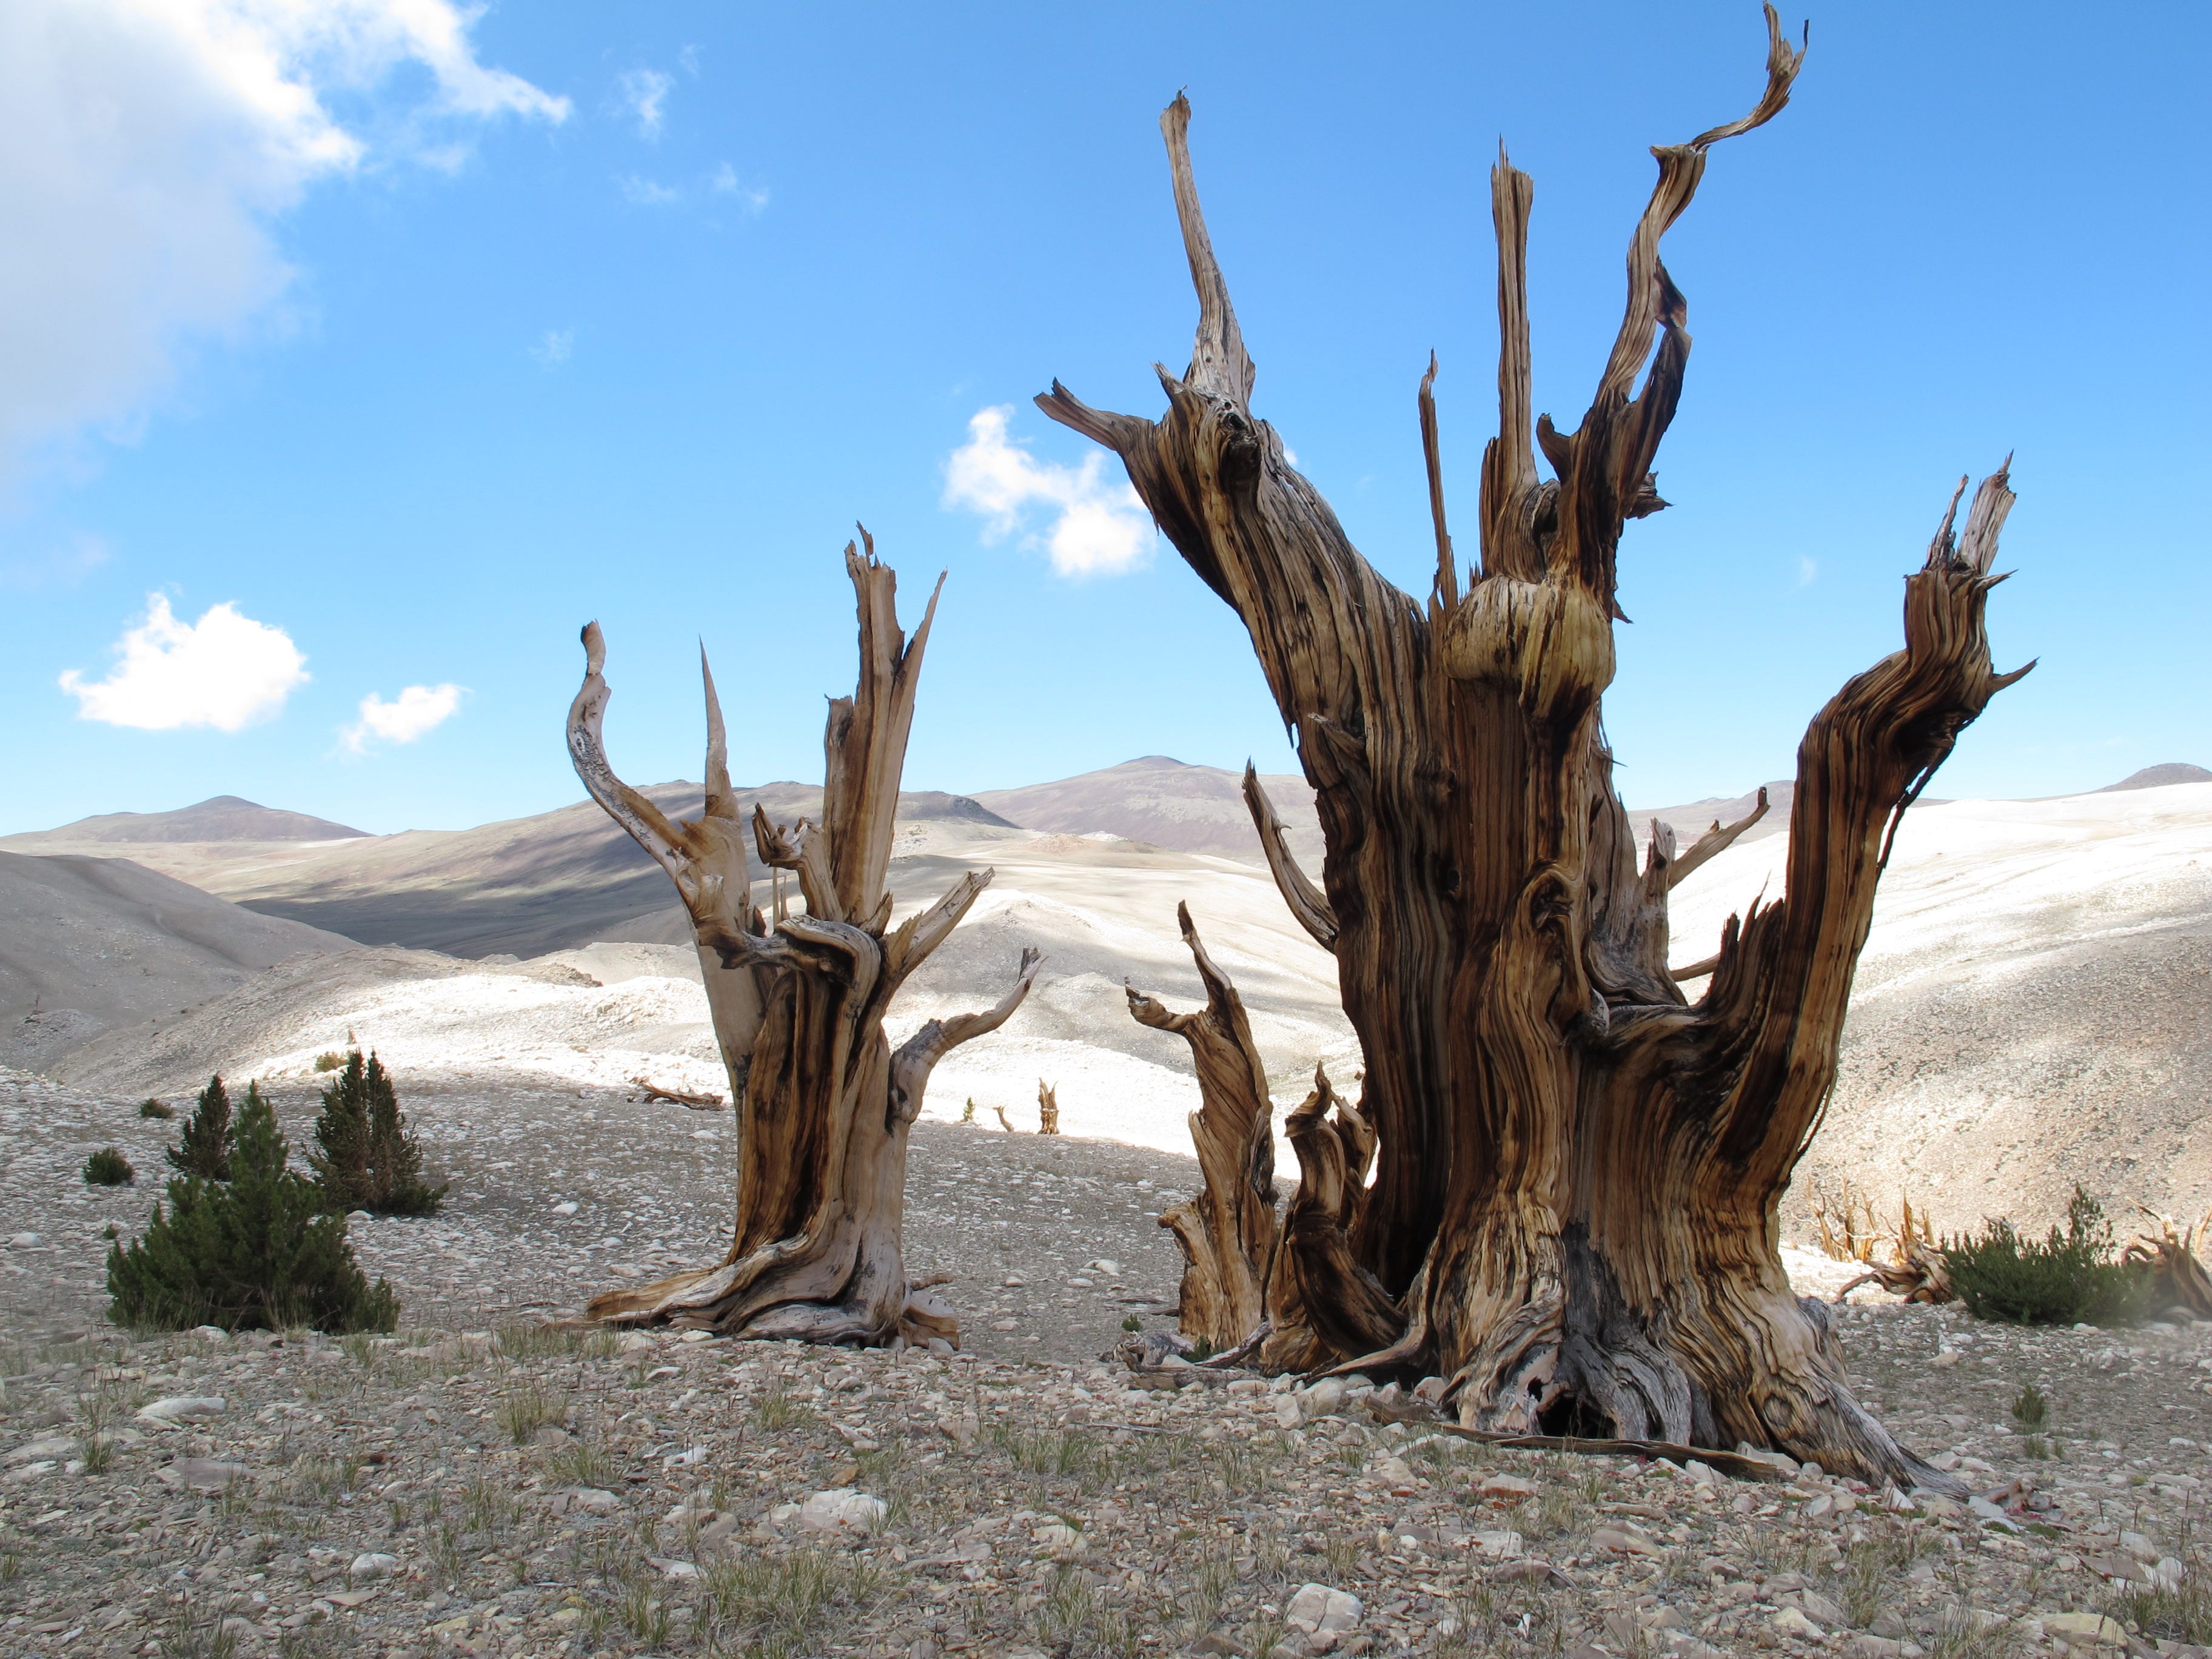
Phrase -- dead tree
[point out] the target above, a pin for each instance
(1048, 1109)
(1228, 1230)
(1573, 1212)
(799, 999)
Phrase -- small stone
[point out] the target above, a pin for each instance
(1944, 1360)
(182, 1407)
(843, 1509)
(371, 1565)
(24, 1242)
(1788, 1621)
(1287, 1414)
(1624, 1540)
(1324, 1398)
(1876, 1647)
(696, 1336)
(1818, 1606)
(203, 1474)
(2084, 1630)
(1103, 1266)
(591, 1500)
(1393, 1472)
(1062, 1543)
(1505, 1488)
(566, 1207)
(1318, 1610)
(940, 1347)
(1006, 1324)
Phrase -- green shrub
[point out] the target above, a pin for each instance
(2069, 1277)
(151, 1108)
(330, 1062)
(369, 1160)
(203, 1149)
(259, 1252)
(108, 1167)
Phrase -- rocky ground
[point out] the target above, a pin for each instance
(480, 1484)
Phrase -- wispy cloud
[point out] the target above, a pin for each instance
(552, 350)
(1808, 571)
(648, 192)
(64, 566)
(723, 181)
(416, 710)
(1096, 527)
(145, 148)
(225, 670)
(645, 96)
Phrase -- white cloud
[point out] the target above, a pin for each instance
(145, 147)
(646, 192)
(225, 670)
(1808, 571)
(1097, 527)
(723, 181)
(418, 709)
(645, 96)
(553, 351)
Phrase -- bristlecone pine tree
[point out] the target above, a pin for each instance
(1572, 1218)
(368, 1159)
(823, 1103)
(260, 1251)
(203, 1148)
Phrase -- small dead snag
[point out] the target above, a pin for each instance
(823, 1104)
(1048, 1109)
(1573, 1216)
(1228, 1231)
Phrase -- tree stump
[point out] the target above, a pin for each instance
(1573, 1212)
(1048, 1109)
(823, 1104)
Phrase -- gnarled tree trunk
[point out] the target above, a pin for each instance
(823, 1104)
(1573, 1214)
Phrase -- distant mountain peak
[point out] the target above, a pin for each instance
(2158, 777)
(219, 818)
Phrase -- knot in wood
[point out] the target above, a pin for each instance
(1549, 642)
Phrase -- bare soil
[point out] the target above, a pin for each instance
(548, 1493)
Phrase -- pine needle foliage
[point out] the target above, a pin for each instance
(369, 1158)
(108, 1167)
(203, 1149)
(259, 1252)
(2066, 1278)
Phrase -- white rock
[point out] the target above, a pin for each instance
(843, 1509)
(182, 1407)
(44, 1447)
(373, 1564)
(566, 1207)
(1287, 1414)
(1788, 1621)
(593, 1501)
(1324, 1397)
(1101, 1266)
(1062, 1543)
(1320, 1610)
(24, 1242)
(211, 1333)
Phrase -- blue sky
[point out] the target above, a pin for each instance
(405, 353)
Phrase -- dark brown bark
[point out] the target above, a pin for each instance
(823, 1102)
(1573, 1214)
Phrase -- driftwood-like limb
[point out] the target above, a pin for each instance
(698, 1100)
(1309, 904)
(1228, 1230)
(1005, 1123)
(823, 1105)
(705, 856)
(919, 1055)
(1715, 841)
(1573, 1212)
(2181, 1281)
(1048, 1109)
